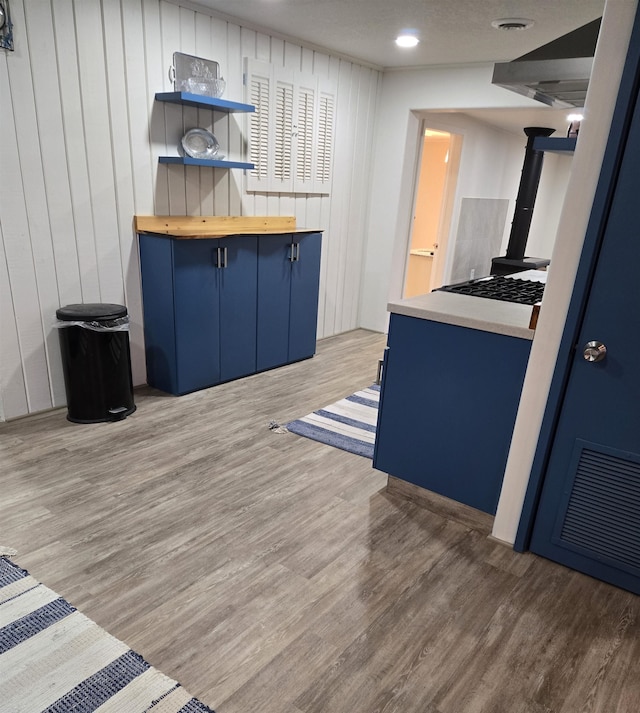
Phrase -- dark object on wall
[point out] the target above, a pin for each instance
(96, 361)
(6, 26)
(514, 260)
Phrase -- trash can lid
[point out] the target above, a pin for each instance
(91, 312)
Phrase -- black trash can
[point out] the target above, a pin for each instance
(96, 361)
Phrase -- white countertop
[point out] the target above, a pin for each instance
(487, 315)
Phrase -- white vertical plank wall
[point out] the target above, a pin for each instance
(79, 156)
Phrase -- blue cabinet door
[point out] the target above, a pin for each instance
(288, 283)
(448, 407)
(588, 516)
(274, 296)
(197, 313)
(305, 281)
(238, 306)
(156, 267)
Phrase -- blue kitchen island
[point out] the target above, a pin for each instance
(452, 377)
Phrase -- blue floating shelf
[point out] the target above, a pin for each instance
(554, 144)
(202, 102)
(188, 161)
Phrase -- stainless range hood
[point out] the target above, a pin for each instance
(557, 73)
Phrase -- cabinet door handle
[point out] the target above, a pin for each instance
(225, 256)
(218, 258)
(292, 252)
(297, 251)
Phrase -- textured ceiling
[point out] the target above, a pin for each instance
(451, 31)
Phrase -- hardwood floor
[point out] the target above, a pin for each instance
(270, 573)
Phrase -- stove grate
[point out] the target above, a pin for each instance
(506, 289)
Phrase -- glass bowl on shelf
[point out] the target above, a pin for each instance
(208, 87)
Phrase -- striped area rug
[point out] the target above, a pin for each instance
(349, 424)
(54, 659)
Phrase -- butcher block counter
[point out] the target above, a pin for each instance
(225, 297)
(184, 227)
(452, 377)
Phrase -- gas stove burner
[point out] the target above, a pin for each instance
(506, 289)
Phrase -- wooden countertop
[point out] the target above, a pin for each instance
(189, 227)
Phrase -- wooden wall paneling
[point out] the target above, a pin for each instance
(333, 70)
(306, 61)
(75, 146)
(263, 47)
(46, 299)
(145, 75)
(123, 173)
(173, 117)
(98, 138)
(18, 249)
(190, 114)
(13, 394)
(205, 117)
(372, 113)
(348, 281)
(139, 22)
(54, 232)
(277, 58)
(235, 92)
(46, 88)
(248, 42)
(339, 197)
(321, 64)
(362, 153)
(153, 128)
(219, 52)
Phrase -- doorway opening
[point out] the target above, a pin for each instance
(432, 210)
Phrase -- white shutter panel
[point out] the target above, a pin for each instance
(283, 169)
(304, 132)
(258, 91)
(291, 133)
(325, 138)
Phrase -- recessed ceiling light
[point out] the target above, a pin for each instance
(406, 39)
(512, 23)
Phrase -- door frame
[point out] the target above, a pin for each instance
(450, 196)
(625, 103)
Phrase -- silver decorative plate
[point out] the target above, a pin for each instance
(200, 143)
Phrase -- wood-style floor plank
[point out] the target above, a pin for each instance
(269, 572)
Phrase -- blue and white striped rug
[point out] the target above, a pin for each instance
(54, 659)
(349, 424)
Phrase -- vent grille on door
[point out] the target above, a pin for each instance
(603, 511)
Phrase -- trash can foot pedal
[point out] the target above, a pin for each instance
(117, 414)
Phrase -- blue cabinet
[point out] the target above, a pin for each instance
(213, 306)
(448, 405)
(288, 280)
(199, 299)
